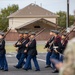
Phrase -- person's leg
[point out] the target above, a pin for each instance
(1, 62)
(61, 58)
(56, 57)
(30, 65)
(21, 60)
(53, 57)
(5, 64)
(36, 63)
(26, 66)
(48, 62)
(18, 55)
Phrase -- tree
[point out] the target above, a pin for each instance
(62, 19)
(6, 12)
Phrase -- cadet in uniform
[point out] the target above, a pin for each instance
(49, 48)
(56, 48)
(32, 52)
(68, 65)
(64, 42)
(3, 61)
(24, 51)
(19, 48)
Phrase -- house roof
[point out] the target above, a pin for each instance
(38, 19)
(32, 10)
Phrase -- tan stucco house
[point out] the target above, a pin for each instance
(33, 18)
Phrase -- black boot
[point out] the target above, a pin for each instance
(55, 71)
(47, 66)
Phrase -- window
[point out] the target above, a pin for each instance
(37, 27)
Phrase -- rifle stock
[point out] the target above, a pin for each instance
(7, 33)
(37, 34)
(30, 35)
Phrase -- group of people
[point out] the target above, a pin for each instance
(26, 50)
(55, 48)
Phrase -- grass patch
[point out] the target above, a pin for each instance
(11, 48)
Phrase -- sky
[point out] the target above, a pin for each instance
(51, 5)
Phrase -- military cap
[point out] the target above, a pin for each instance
(51, 30)
(26, 32)
(33, 33)
(56, 31)
(20, 32)
(1, 33)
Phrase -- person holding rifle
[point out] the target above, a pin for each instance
(3, 61)
(67, 67)
(24, 51)
(56, 48)
(49, 46)
(32, 52)
(64, 42)
(19, 48)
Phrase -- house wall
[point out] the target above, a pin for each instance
(13, 36)
(51, 19)
(15, 22)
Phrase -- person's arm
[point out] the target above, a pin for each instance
(64, 45)
(59, 44)
(24, 44)
(47, 44)
(3, 45)
(33, 44)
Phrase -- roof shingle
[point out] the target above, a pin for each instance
(33, 10)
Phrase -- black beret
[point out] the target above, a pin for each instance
(26, 32)
(20, 32)
(33, 33)
(56, 32)
(51, 30)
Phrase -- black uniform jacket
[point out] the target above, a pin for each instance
(2, 47)
(50, 40)
(32, 48)
(64, 44)
(23, 47)
(57, 43)
(19, 46)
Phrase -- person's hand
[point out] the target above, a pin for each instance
(48, 50)
(25, 51)
(59, 65)
(56, 51)
(16, 49)
(26, 45)
(19, 43)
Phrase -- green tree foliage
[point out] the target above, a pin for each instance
(62, 19)
(6, 12)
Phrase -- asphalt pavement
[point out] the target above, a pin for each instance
(13, 71)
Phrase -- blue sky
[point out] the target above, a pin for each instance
(52, 5)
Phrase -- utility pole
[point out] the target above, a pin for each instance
(74, 17)
(67, 25)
